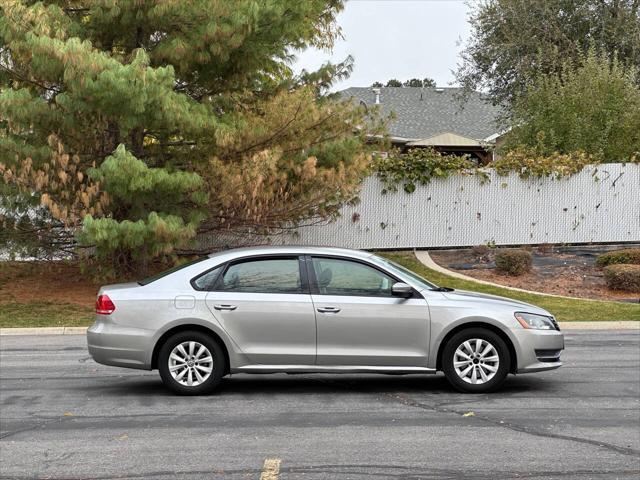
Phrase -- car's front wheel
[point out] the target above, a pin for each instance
(191, 363)
(476, 360)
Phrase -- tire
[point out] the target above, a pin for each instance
(491, 369)
(201, 368)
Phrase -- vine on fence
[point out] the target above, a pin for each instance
(527, 164)
(420, 166)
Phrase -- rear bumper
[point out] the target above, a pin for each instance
(118, 346)
(538, 350)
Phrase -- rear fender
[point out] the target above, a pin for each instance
(236, 357)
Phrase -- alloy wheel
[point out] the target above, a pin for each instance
(190, 363)
(476, 361)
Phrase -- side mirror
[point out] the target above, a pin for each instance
(401, 289)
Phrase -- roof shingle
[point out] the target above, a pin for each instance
(425, 112)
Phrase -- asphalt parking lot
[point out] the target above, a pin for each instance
(63, 416)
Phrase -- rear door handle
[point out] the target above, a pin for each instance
(328, 309)
(225, 307)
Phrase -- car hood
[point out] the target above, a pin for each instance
(463, 295)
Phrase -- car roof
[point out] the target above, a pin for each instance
(292, 249)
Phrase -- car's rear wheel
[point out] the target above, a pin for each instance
(476, 360)
(191, 363)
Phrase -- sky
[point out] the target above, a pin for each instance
(400, 39)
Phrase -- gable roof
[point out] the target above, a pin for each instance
(446, 139)
(422, 113)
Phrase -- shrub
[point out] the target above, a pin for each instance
(545, 248)
(480, 250)
(514, 262)
(629, 255)
(623, 277)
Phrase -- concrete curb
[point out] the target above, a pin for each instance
(612, 325)
(44, 331)
(424, 258)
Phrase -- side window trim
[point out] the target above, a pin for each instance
(313, 283)
(304, 282)
(310, 274)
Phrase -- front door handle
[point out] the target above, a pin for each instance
(328, 309)
(225, 307)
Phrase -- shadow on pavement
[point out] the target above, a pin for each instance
(277, 384)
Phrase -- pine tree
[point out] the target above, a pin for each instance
(133, 126)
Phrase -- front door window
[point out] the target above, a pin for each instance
(345, 277)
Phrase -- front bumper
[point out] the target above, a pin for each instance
(119, 346)
(538, 350)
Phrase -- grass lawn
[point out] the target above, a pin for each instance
(45, 314)
(565, 310)
(34, 294)
(45, 294)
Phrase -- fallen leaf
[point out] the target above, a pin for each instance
(123, 437)
(67, 414)
(469, 414)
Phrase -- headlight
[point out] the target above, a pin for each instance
(536, 322)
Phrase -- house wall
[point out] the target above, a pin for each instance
(600, 204)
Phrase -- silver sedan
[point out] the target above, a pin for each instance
(308, 310)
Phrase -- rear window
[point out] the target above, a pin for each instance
(163, 274)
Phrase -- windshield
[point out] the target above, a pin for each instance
(160, 275)
(397, 268)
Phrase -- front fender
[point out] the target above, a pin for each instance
(439, 332)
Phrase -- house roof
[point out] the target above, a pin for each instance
(423, 113)
(446, 139)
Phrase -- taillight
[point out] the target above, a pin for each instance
(104, 305)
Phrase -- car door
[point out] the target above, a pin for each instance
(264, 305)
(360, 322)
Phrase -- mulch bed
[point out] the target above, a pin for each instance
(569, 271)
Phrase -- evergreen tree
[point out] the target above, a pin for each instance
(428, 82)
(142, 124)
(416, 82)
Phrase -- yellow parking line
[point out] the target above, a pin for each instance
(270, 469)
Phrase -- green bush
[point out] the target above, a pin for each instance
(623, 277)
(513, 262)
(629, 255)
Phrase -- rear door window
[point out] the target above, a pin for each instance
(273, 275)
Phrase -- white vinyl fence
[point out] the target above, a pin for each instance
(600, 204)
